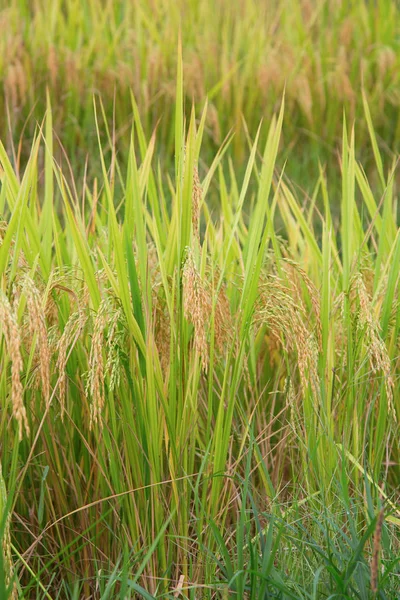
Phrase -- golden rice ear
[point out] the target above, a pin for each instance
(106, 318)
(162, 330)
(294, 269)
(193, 75)
(16, 84)
(37, 326)
(212, 120)
(95, 384)
(377, 352)
(197, 194)
(114, 342)
(52, 65)
(197, 307)
(285, 316)
(223, 324)
(11, 87)
(12, 336)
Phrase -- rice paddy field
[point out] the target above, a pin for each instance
(199, 300)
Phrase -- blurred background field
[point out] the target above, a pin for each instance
(241, 55)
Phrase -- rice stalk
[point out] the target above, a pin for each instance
(376, 548)
(6, 541)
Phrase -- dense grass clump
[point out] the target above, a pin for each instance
(198, 403)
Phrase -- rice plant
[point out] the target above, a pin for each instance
(199, 372)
